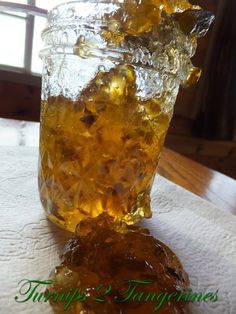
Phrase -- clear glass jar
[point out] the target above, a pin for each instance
(108, 94)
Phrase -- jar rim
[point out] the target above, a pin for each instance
(86, 1)
(77, 17)
(92, 1)
(75, 10)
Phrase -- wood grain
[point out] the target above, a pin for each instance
(206, 183)
(202, 181)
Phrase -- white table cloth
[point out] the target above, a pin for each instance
(203, 236)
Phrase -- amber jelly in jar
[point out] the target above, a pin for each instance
(111, 76)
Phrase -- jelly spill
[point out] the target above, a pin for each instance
(100, 260)
(99, 151)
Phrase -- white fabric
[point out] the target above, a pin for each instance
(203, 236)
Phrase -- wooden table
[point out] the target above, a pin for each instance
(208, 184)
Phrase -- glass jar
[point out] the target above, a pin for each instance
(108, 94)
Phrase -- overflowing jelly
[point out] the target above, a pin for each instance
(101, 137)
(105, 261)
(99, 150)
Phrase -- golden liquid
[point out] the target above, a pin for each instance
(99, 154)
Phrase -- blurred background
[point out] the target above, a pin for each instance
(204, 124)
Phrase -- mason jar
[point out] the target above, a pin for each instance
(108, 93)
